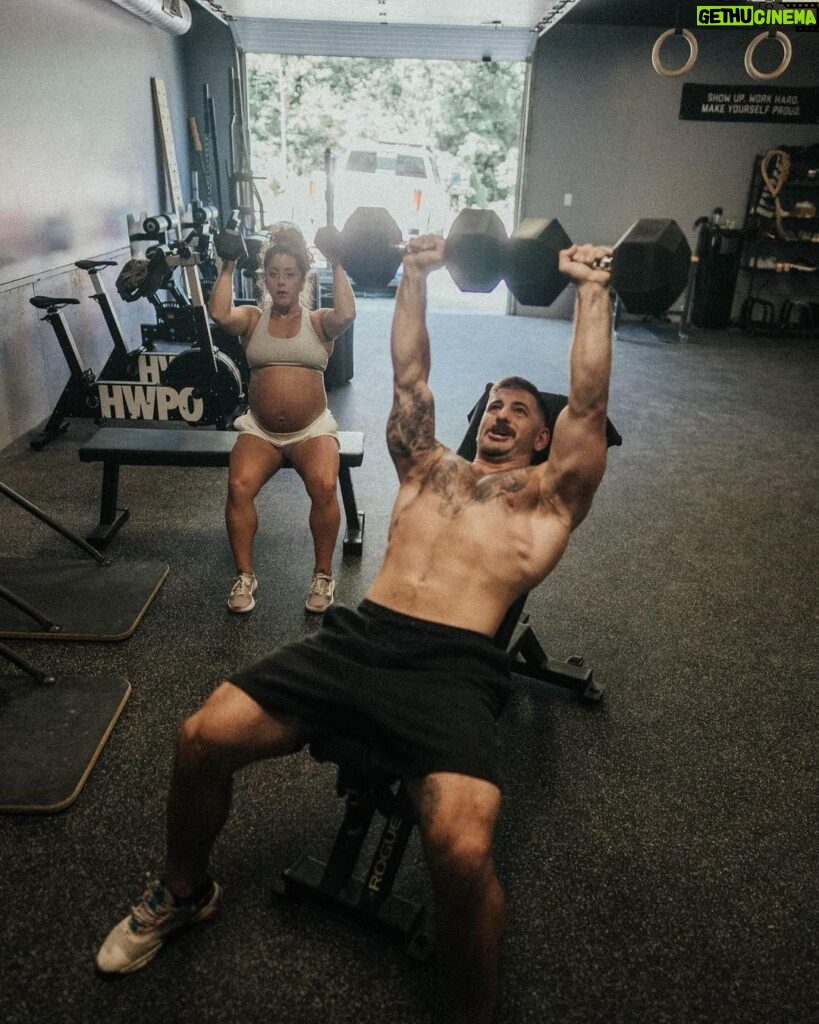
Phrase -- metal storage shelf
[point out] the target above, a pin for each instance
(756, 246)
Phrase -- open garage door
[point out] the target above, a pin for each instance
(424, 138)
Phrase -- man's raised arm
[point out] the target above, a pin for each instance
(411, 424)
(577, 458)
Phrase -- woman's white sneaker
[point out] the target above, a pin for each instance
(321, 593)
(241, 598)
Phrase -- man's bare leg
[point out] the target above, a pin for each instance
(456, 816)
(229, 731)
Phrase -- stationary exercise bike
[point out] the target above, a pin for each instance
(176, 320)
(208, 385)
(79, 398)
(200, 385)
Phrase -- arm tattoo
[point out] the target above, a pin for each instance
(411, 426)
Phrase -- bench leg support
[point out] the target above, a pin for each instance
(531, 666)
(369, 898)
(111, 517)
(354, 534)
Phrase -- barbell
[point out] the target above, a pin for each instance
(649, 265)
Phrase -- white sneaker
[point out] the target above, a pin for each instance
(137, 939)
(321, 593)
(241, 598)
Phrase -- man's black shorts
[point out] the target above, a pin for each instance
(424, 696)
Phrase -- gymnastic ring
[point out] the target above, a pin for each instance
(658, 65)
(749, 55)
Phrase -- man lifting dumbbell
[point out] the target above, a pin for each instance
(287, 348)
(414, 672)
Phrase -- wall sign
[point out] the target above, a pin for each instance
(768, 104)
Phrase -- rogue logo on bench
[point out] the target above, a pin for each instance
(379, 868)
(149, 399)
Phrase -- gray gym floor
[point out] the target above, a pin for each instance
(658, 851)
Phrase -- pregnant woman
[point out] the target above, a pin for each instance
(287, 347)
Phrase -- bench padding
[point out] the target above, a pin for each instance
(146, 446)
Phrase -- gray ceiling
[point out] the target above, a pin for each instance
(474, 13)
(634, 12)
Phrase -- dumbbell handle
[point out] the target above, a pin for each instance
(402, 248)
(604, 263)
(406, 247)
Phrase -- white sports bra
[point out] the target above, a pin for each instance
(304, 349)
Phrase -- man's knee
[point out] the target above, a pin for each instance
(200, 741)
(458, 853)
(230, 730)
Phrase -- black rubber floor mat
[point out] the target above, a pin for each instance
(51, 735)
(84, 600)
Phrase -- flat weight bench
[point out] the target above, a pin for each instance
(143, 446)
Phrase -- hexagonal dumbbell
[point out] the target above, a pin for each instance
(649, 265)
(370, 248)
(531, 266)
(475, 252)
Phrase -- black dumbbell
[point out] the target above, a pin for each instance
(649, 265)
(370, 247)
(531, 265)
(229, 243)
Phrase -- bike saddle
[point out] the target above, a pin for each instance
(93, 264)
(47, 302)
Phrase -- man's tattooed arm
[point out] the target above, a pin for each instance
(411, 426)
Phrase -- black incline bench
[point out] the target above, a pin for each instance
(146, 446)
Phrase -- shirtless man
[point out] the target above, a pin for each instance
(413, 672)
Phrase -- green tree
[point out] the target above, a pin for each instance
(300, 105)
(480, 122)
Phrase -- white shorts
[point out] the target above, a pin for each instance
(323, 425)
